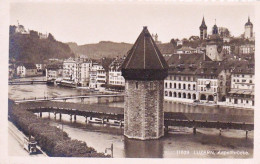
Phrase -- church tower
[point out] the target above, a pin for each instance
(144, 70)
(203, 30)
(248, 29)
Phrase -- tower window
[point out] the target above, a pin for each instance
(136, 85)
(151, 85)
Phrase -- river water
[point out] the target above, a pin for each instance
(179, 142)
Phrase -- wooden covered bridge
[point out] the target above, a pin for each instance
(195, 120)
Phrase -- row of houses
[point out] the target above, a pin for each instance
(87, 72)
(196, 78)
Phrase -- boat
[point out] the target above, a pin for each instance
(67, 83)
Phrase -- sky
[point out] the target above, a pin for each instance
(86, 23)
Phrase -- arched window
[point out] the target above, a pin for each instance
(170, 94)
(184, 95)
(189, 96)
(188, 86)
(194, 96)
(194, 87)
(203, 97)
(174, 94)
(179, 95)
(170, 85)
(184, 86)
(174, 85)
(165, 85)
(136, 85)
(151, 85)
(211, 98)
(166, 93)
(179, 86)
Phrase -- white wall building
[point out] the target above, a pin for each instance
(26, 69)
(242, 89)
(115, 73)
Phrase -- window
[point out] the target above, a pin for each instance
(174, 85)
(165, 85)
(170, 85)
(179, 86)
(151, 85)
(250, 81)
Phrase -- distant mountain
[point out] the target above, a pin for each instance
(111, 49)
(30, 47)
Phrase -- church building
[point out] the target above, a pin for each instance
(203, 30)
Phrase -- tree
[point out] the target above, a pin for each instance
(34, 34)
(173, 42)
(51, 37)
(12, 30)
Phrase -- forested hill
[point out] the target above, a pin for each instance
(33, 49)
(111, 49)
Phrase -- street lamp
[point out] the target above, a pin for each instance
(61, 128)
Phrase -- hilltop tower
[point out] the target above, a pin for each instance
(203, 30)
(248, 29)
(144, 70)
(214, 45)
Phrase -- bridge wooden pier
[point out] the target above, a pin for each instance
(105, 113)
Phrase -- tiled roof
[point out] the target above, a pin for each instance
(185, 63)
(54, 66)
(186, 49)
(248, 23)
(28, 65)
(203, 24)
(116, 64)
(145, 55)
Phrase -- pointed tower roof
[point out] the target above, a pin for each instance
(248, 23)
(203, 24)
(144, 61)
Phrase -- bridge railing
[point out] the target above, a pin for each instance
(69, 96)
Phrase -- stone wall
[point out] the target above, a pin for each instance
(143, 113)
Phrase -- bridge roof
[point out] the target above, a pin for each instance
(98, 108)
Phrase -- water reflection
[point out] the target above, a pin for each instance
(143, 149)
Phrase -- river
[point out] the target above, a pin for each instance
(179, 142)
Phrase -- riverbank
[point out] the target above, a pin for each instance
(54, 141)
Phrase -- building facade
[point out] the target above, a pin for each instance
(115, 73)
(26, 70)
(242, 88)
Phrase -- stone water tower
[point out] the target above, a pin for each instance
(144, 70)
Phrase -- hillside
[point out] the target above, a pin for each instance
(30, 48)
(111, 49)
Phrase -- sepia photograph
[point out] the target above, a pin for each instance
(116, 79)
